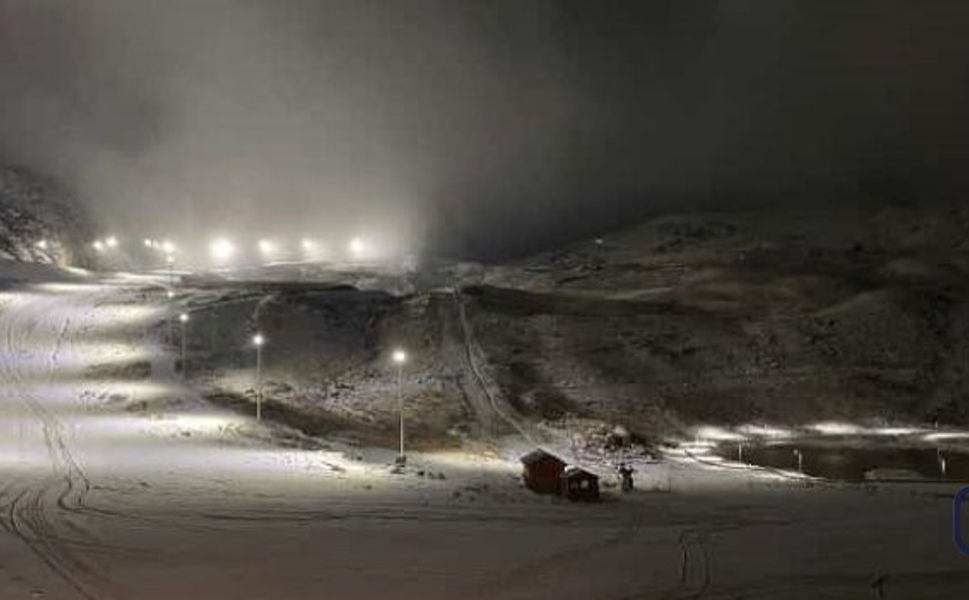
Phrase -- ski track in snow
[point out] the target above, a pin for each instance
(31, 505)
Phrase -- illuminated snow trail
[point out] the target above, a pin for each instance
(62, 438)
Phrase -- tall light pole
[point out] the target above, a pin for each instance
(399, 358)
(170, 261)
(258, 341)
(600, 243)
(183, 319)
(170, 294)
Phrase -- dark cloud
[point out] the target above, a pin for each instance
(479, 127)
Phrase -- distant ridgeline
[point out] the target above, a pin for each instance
(39, 221)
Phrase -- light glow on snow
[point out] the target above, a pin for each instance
(897, 431)
(766, 431)
(718, 434)
(945, 436)
(65, 288)
(835, 428)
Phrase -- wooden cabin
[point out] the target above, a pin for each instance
(579, 484)
(543, 472)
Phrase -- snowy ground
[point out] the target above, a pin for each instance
(177, 499)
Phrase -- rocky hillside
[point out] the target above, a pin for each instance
(775, 317)
(39, 221)
(772, 316)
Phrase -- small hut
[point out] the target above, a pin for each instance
(579, 484)
(543, 472)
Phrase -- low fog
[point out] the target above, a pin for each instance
(483, 129)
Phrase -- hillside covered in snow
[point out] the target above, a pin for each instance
(764, 317)
(767, 316)
(39, 221)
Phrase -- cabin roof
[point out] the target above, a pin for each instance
(538, 455)
(573, 471)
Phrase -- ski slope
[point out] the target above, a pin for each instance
(118, 485)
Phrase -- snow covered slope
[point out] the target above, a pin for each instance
(771, 317)
(39, 221)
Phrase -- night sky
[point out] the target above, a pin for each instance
(484, 129)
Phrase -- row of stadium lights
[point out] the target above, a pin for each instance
(221, 249)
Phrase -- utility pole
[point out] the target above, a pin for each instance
(170, 261)
(258, 341)
(170, 294)
(183, 319)
(400, 357)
